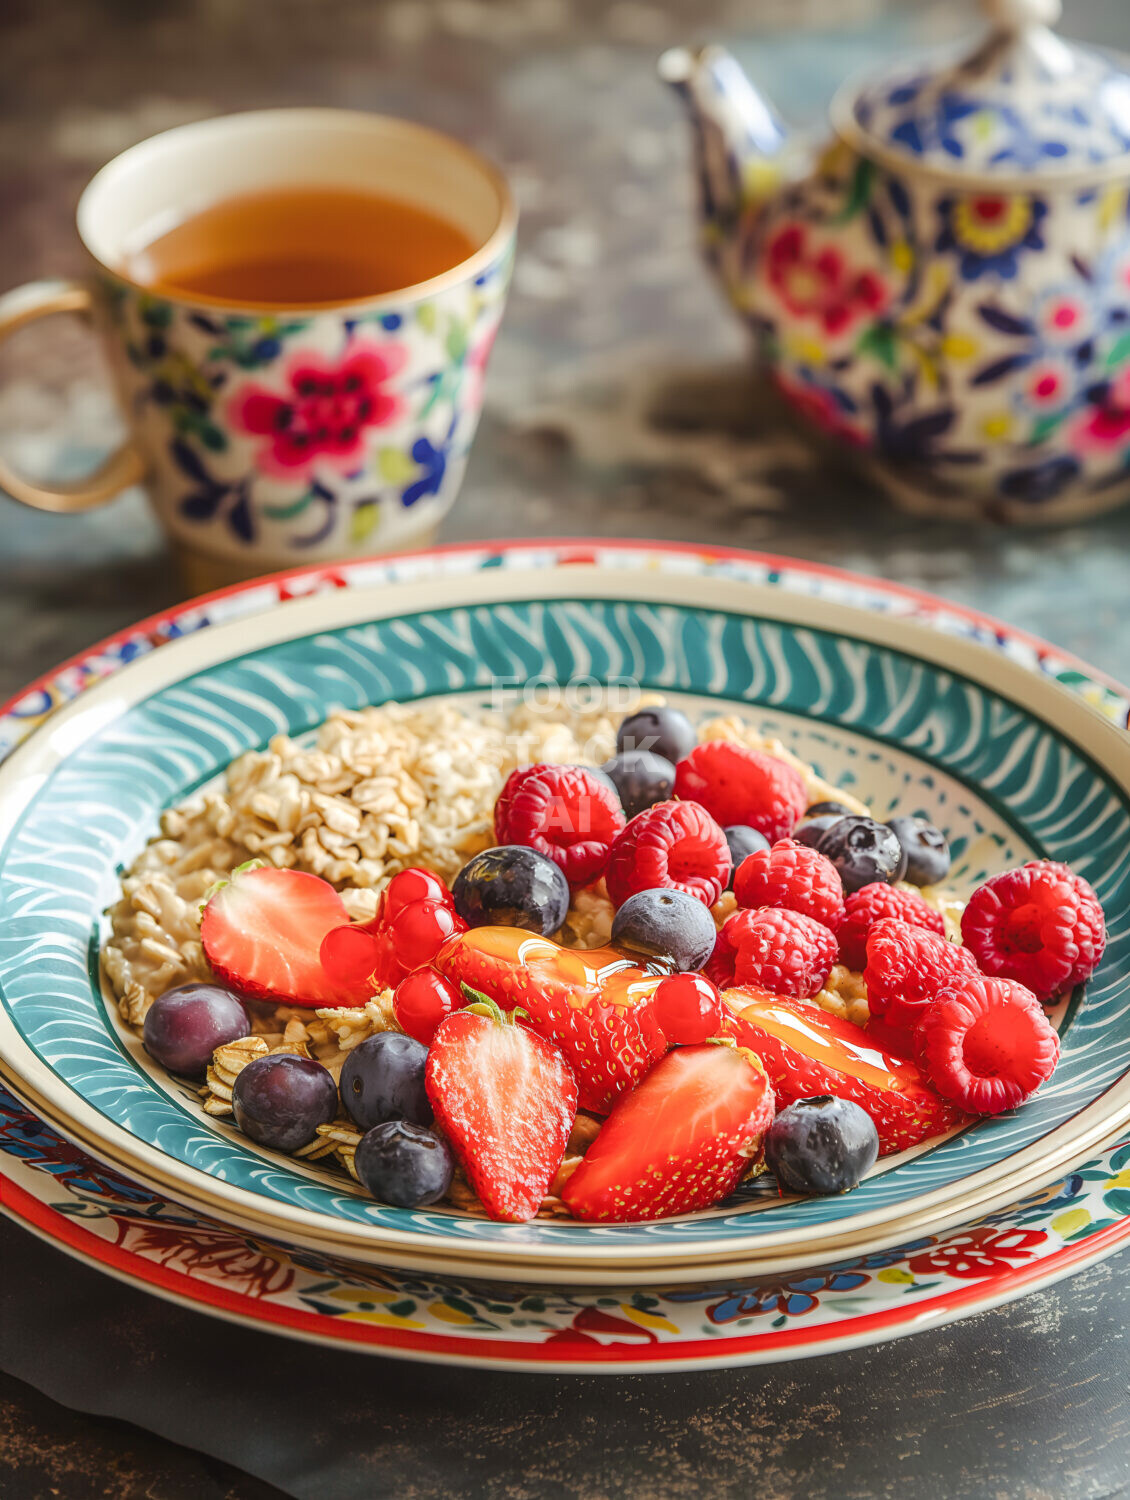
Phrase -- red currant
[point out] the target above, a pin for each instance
(422, 1000)
(352, 954)
(419, 930)
(688, 1009)
(410, 886)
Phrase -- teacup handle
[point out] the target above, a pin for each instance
(124, 467)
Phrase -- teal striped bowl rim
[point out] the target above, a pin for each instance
(1013, 765)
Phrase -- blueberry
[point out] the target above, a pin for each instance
(863, 851)
(512, 886)
(927, 853)
(743, 841)
(383, 1079)
(403, 1164)
(821, 1145)
(663, 729)
(821, 809)
(812, 830)
(666, 924)
(641, 778)
(185, 1025)
(280, 1101)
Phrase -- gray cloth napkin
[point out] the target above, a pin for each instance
(1026, 1400)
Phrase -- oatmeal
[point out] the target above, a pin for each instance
(379, 790)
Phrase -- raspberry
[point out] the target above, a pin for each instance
(906, 968)
(1041, 925)
(794, 877)
(564, 812)
(676, 845)
(739, 785)
(986, 1044)
(783, 952)
(876, 903)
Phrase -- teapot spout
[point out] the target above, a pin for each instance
(737, 132)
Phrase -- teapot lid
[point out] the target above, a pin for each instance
(1024, 102)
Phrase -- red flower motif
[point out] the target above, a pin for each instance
(979, 1252)
(210, 1254)
(475, 371)
(815, 283)
(326, 414)
(820, 407)
(592, 1326)
(1047, 384)
(1065, 318)
(1107, 426)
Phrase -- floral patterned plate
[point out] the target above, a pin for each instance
(1009, 763)
(93, 1213)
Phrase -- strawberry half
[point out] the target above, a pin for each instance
(807, 1052)
(680, 1141)
(594, 1004)
(506, 1099)
(262, 932)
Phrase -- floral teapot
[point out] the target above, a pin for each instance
(946, 286)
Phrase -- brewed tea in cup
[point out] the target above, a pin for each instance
(298, 247)
(298, 306)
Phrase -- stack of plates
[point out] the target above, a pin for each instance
(1017, 751)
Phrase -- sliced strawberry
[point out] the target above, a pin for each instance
(893, 1039)
(807, 1052)
(595, 1004)
(680, 1141)
(506, 1099)
(262, 933)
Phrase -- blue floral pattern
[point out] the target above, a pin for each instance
(990, 232)
(978, 344)
(1001, 109)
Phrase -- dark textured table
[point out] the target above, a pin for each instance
(618, 405)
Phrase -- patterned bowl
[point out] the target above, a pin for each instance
(912, 718)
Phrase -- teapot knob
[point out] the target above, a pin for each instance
(1019, 15)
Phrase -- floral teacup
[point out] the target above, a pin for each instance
(266, 438)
